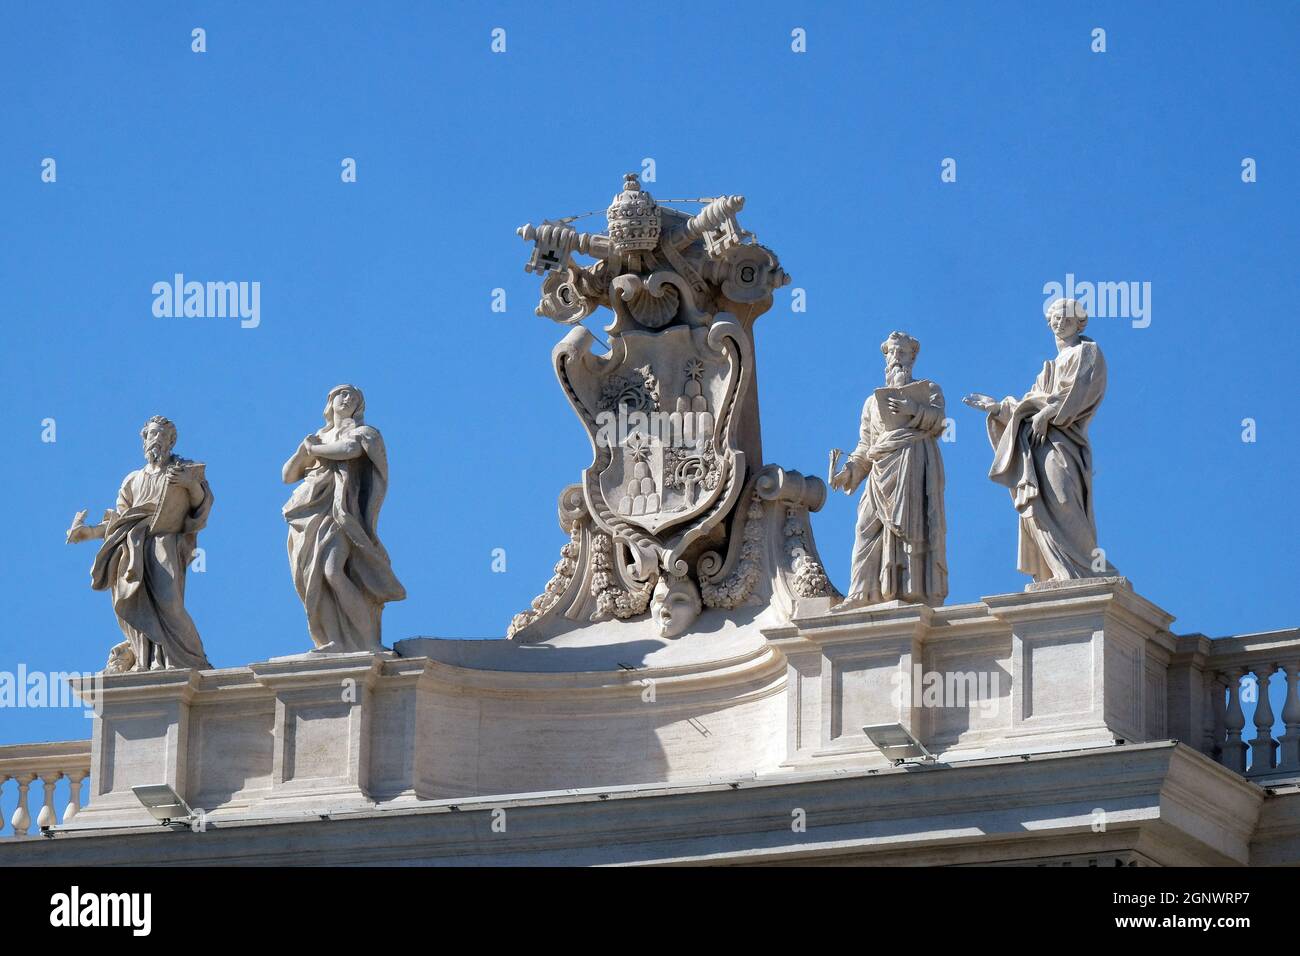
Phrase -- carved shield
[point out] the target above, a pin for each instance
(658, 409)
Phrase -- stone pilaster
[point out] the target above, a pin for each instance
(140, 737)
(847, 671)
(322, 724)
(1087, 658)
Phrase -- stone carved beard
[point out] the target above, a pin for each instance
(897, 373)
(157, 451)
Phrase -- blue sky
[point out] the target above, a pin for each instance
(225, 165)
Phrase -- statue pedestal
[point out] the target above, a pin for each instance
(140, 736)
(1090, 663)
(745, 693)
(292, 733)
(321, 732)
(1082, 664)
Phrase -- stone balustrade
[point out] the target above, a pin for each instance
(1217, 677)
(36, 770)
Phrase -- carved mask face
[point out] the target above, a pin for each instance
(675, 606)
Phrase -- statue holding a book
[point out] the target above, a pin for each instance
(148, 541)
(899, 549)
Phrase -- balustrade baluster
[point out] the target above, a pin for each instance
(1263, 747)
(74, 778)
(1209, 746)
(1288, 751)
(22, 820)
(1219, 681)
(1234, 750)
(47, 817)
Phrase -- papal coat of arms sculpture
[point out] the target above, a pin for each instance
(676, 510)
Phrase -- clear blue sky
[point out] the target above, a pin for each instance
(1122, 166)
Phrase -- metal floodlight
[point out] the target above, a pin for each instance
(897, 743)
(163, 803)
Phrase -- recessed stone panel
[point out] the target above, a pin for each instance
(866, 691)
(317, 741)
(235, 754)
(137, 749)
(1061, 678)
(976, 693)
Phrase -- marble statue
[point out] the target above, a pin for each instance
(1041, 453)
(340, 568)
(148, 541)
(899, 548)
(657, 523)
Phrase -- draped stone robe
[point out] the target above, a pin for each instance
(899, 550)
(341, 499)
(1051, 482)
(145, 573)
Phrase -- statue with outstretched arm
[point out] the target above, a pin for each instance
(148, 541)
(1042, 454)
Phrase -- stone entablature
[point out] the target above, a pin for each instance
(1143, 804)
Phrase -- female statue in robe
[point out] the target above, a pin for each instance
(340, 569)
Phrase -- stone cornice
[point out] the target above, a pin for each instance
(1046, 804)
(1252, 650)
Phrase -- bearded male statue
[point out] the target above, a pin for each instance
(148, 541)
(900, 547)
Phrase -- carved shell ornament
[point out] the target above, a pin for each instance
(652, 304)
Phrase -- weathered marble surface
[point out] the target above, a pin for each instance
(900, 541)
(148, 541)
(1042, 454)
(340, 568)
(744, 691)
(659, 518)
(1162, 803)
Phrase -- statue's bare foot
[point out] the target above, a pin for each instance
(850, 603)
